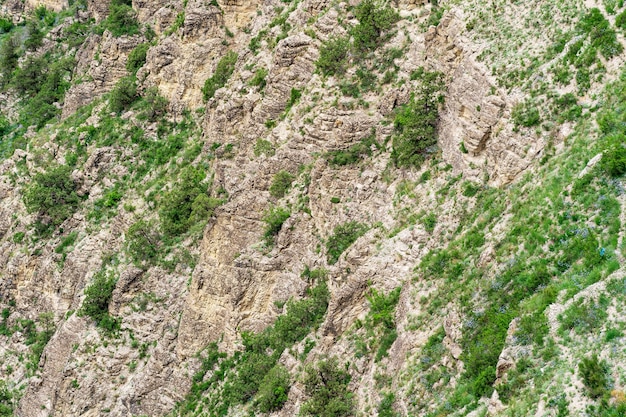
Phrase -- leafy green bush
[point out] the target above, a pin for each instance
(6, 25)
(375, 18)
(601, 35)
(594, 374)
(123, 95)
(327, 386)
(137, 58)
(614, 155)
(143, 243)
(294, 97)
(416, 122)
(97, 298)
(223, 71)
(355, 153)
(264, 147)
(154, 105)
(281, 183)
(525, 114)
(187, 203)
(122, 19)
(344, 235)
(273, 389)
(583, 317)
(274, 219)
(382, 316)
(385, 408)
(333, 56)
(8, 400)
(8, 58)
(259, 79)
(52, 195)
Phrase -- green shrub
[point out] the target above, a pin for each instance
(429, 222)
(259, 79)
(355, 153)
(122, 20)
(8, 400)
(416, 122)
(281, 184)
(375, 18)
(344, 235)
(154, 105)
(614, 154)
(187, 203)
(294, 97)
(327, 386)
(601, 35)
(52, 195)
(583, 317)
(143, 243)
(223, 71)
(8, 58)
(333, 56)
(123, 95)
(595, 375)
(273, 389)
(35, 36)
(97, 298)
(18, 237)
(6, 25)
(274, 219)
(137, 58)
(385, 408)
(620, 20)
(264, 147)
(525, 114)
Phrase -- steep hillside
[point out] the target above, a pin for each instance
(314, 208)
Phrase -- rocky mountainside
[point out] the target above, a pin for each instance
(314, 208)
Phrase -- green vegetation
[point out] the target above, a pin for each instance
(143, 243)
(122, 19)
(415, 123)
(525, 114)
(333, 56)
(327, 386)
(254, 375)
(259, 79)
(344, 235)
(123, 95)
(355, 153)
(281, 182)
(379, 324)
(375, 19)
(273, 390)
(52, 195)
(595, 375)
(137, 58)
(274, 219)
(97, 298)
(264, 147)
(187, 203)
(223, 71)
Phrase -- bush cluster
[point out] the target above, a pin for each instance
(223, 71)
(97, 298)
(52, 195)
(344, 235)
(416, 123)
(327, 386)
(281, 183)
(274, 219)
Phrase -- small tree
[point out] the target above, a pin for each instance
(52, 195)
(416, 123)
(97, 298)
(281, 184)
(594, 374)
(123, 95)
(223, 71)
(273, 390)
(143, 243)
(327, 386)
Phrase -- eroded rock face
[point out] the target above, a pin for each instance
(101, 73)
(475, 133)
